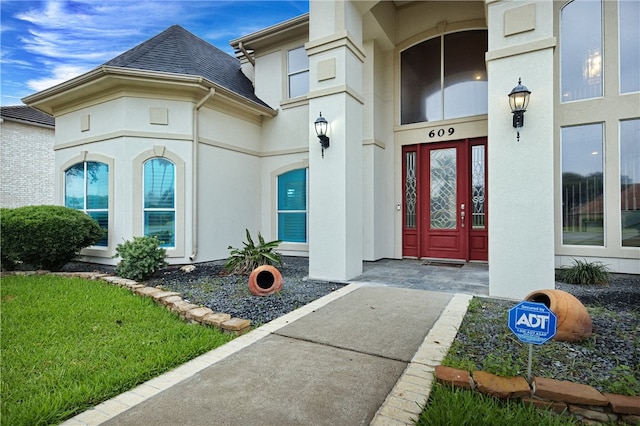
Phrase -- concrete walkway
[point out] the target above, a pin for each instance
(363, 354)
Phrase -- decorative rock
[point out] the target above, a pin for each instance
(197, 314)
(171, 300)
(147, 291)
(557, 407)
(215, 319)
(598, 416)
(623, 404)
(182, 307)
(163, 295)
(454, 377)
(236, 325)
(188, 268)
(569, 392)
(501, 387)
(630, 419)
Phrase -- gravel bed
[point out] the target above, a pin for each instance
(208, 285)
(609, 360)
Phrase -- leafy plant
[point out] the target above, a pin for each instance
(252, 255)
(583, 272)
(502, 364)
(624, 381)
(141, 258)
(45, 237)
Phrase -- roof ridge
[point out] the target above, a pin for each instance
(178, 51)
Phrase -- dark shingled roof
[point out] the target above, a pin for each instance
(176, 50)
(26, 114)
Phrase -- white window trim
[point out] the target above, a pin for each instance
(94, 251)
(288, 74)
(297, 248)
(179, 191)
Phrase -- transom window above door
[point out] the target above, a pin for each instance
(444, 78)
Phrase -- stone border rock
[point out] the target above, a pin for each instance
(583, 402)
(171, 300)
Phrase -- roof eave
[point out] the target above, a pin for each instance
(298, 26)
(43, 100)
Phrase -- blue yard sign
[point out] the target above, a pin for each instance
(532, 322)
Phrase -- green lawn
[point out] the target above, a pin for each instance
(68, 344)
(462, 407)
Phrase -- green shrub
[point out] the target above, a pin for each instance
(245, 260)
(45, 237)
(141, 258)
(583, 272)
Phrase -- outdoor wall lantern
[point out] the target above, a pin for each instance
(321, 130)
(518, 101)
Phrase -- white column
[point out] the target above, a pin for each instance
(521, 235)
(335, 181)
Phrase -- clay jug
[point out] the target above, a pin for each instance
(573, 320)
(265, 280)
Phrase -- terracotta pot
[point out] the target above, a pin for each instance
(265, 280)
(573, 320)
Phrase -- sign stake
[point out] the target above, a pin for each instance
(532, 323)
(529, 364)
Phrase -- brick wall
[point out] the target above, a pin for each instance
(27, 164)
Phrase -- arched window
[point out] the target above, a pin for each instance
(292, 206)
(86, 188)
(444, 78)
(159, 182)
(581, 56)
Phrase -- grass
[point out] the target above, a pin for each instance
(69, 344)
(451, 406)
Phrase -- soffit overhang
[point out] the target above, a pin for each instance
(105, 82)
(275, 35)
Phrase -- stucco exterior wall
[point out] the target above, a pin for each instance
(521, 173)
(27, 167)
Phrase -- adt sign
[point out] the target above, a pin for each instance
(532, 322)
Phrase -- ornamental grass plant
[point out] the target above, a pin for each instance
(69, 344)
(583, 272)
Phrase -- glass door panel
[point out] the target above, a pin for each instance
(443, 205)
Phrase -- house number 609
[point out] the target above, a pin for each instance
(441, 132)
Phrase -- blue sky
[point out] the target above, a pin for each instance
(44, 43)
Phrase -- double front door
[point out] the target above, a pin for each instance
(445, 200)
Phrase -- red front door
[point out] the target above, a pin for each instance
(445, 200)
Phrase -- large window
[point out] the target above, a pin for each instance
(298, 72)
(444, 77)
(582, 185)
(159, 201)
(581, 56)
(629, 37)
(292, 206)
(86, 188)
(630, 182)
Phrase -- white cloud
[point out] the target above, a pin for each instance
(59, 74)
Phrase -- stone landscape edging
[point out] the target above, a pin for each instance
(584, 402)
(171, 300)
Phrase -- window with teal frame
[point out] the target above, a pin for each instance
(159, 201)
(292, 206)
(86, 188)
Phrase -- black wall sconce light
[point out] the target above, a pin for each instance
(321, 125)
(518, 101)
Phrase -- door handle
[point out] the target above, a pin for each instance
(462, 215)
